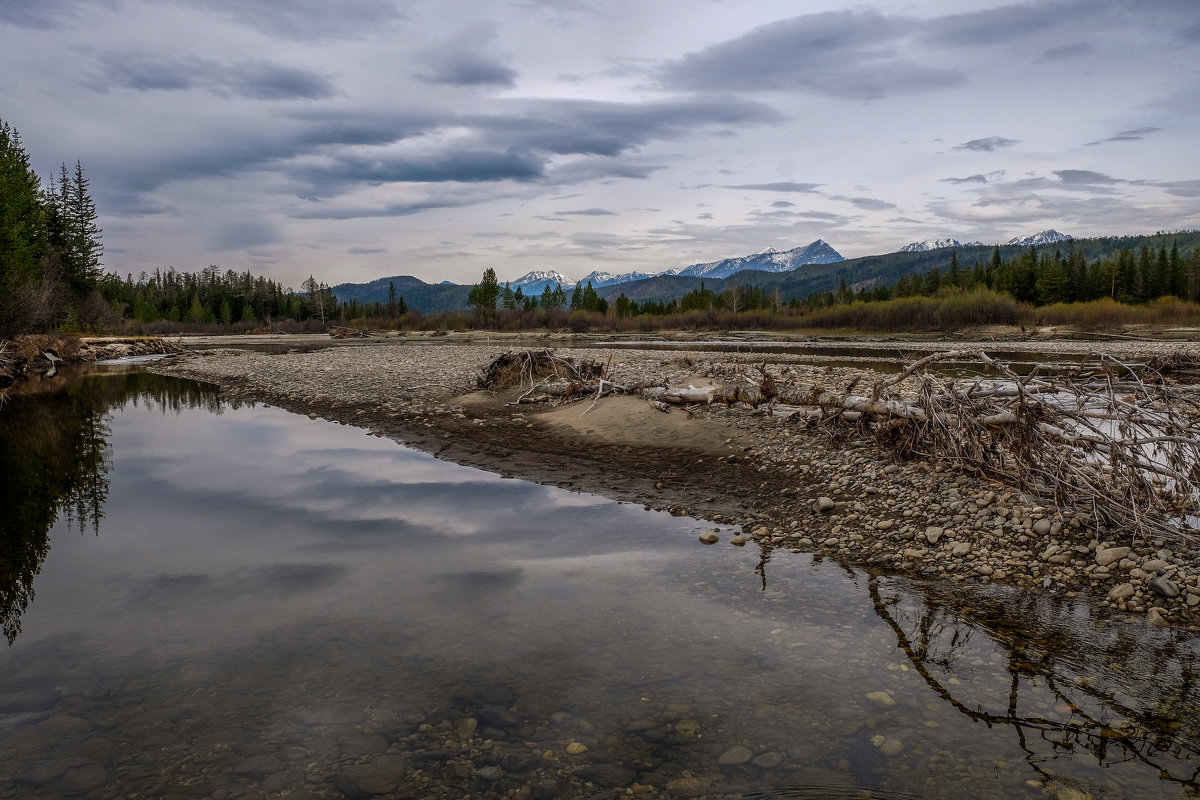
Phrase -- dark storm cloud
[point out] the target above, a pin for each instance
(988, 144)
(1180, 188)
(464, 166)
(259, 80)
(969, 179)
(44, 14)
(512, 141)
(780, 186)
(845, 54)
(306, 20)
(594, 127)
(1085, 177)
(822, 215)
(244, 233)
(588, 212)
(1003, 24)
(348, 126)
(1064, 52)
(867, 203)
(466, 61)
(388, 210)
(782, 204)
(1134, 135)
(604, 170)
(517, 140)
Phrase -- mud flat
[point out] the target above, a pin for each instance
(788, 486)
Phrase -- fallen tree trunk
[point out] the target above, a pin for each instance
(1122, 448)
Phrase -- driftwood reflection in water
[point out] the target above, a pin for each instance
(55, 458)
(1075, 689)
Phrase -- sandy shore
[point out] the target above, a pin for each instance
(751, 474)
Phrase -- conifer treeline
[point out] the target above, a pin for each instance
(212, 295)
(49, 245)
(1060, 276)
(1038, 278)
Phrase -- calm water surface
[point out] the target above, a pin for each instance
(236, 602)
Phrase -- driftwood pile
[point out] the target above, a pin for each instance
(343, 332)
(1117, 443)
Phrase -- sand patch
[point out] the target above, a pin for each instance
(631, 421)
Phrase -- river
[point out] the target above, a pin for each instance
(231, 601)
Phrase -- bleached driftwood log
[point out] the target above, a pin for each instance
(1124, 449)
(1121, 446)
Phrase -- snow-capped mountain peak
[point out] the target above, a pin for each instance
(600, 279)
(930, 244)
(767, 260)
(537, 280)
(1040, 238)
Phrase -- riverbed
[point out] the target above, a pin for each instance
(208, 598)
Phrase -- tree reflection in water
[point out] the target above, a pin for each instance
(1076, 688)
(55, 458)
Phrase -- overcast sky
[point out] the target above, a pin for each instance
(362, 138)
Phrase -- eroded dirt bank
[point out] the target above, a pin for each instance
(788, 487)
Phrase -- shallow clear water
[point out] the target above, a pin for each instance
(242, 602)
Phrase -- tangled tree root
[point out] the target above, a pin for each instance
(1122, 447)
(528, 368)
(1115, 443)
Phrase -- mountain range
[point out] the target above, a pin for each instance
(766, 260)
(799, 272)
(1039, 239)
(1050, 236)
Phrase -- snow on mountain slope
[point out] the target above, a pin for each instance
(929, 244)
(537, 280)
(1040, 238)
(767, 260)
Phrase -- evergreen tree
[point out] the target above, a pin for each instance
(1178, 274)
(196, 311)
(483, 296)
(954, 276)
(320, 300)
(81, 247)
(591, 301)
(1052, 284)
(22, 235)
(507, 298)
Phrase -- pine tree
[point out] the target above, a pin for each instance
(196, 311)
(22, 234)
(81, 257)
(591, 301)
(954, 276)
(484, 294)
(320, 299)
